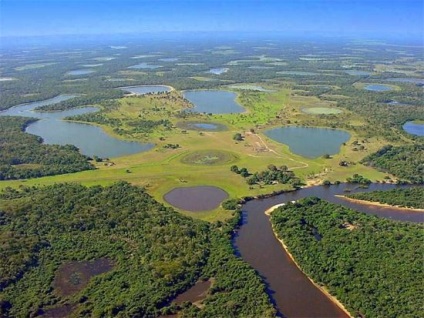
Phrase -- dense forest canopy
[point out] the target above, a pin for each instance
(405, 162)
(372, 265)
(156, 253)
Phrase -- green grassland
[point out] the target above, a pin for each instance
(162, 169)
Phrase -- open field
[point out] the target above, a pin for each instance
(163, 169)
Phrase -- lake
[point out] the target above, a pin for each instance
(145, 66)
(378, 88)
(91, 140)
(213, 101)
(309, 142)
(294, 295)
(79, 72)
(196, 199)
(414, 128)
(146, 89)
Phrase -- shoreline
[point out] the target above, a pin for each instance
(323, 289)
(379, 204)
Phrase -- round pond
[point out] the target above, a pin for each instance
(378, 88)
(196, 199)
(414, 128)
(309, 142)
(213, 101)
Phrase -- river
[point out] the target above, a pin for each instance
(292, 292)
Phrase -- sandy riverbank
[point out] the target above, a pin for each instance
(395, 207)
(321, 288)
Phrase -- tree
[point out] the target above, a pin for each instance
(238, 137)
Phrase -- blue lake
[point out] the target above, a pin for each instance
(378, 88)
(413, 128)
(145, 66)
(213, 101)
(91, 140)
(145, 89)
(79, 72)
(309, 142)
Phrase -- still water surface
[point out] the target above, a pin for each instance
(213, 101)
(91, 140)
(414, 128)
(308, 141)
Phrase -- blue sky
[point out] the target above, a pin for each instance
(341, 17)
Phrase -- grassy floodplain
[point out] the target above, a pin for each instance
(162, 169)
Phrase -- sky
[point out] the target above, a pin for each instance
(340, 17)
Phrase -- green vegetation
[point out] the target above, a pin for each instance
(209, 157)
(356, 178)
(156, 253)
(405, 162)
(409, 197)
(23, 155)
(372, 265)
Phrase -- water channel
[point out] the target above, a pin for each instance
(292, 292)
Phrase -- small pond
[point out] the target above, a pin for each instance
(309, 142)
(218, 71)
(196, 199)
(201, 126)
(145, 66)
(213, 101)
(378, 88)
(91, 140)
(79, 72)
(146, 89)
(414, 128)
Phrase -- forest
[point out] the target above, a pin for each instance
(23, 155)
(155, 253)
(372, 265)
(403, 197)
(405, 162)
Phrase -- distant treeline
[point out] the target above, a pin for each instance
(409, 197)
(405, 162)
(24, 156)
(372, 265)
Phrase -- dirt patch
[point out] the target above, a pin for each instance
(73, 276)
